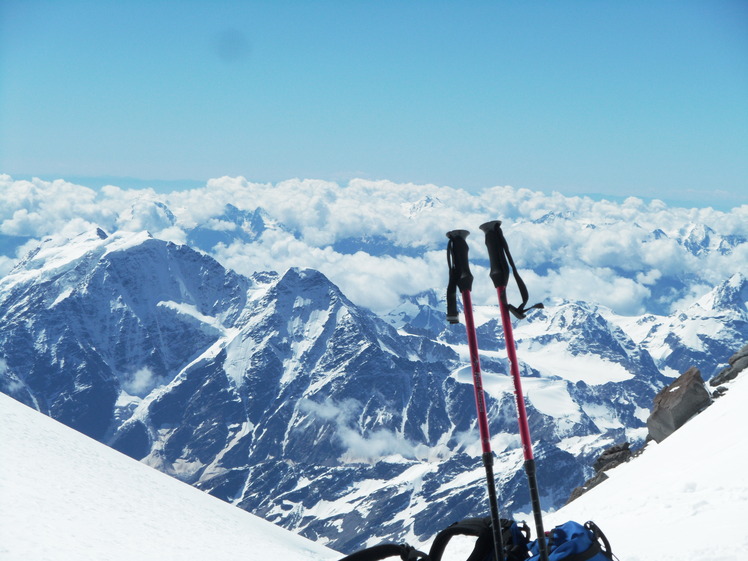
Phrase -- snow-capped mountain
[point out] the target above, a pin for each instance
(97, 323)
(232, 225)
(703, 334)
(278, 394)
(67, 497)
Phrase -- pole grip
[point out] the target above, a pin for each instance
(495, 243)
(460, 263)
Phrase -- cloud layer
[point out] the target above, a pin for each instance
(380, 241)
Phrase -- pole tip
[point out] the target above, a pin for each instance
(490, 225)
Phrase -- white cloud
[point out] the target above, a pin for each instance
(6, 265)
(375, 445)
(141, 382)
(359, 447)
(37, 208)
(599, 285)
(593, 250)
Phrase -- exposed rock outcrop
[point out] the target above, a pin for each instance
(677, 403)
(613, 456)
(737, 363)
(587, 485)
(610, 458)
(673, 406)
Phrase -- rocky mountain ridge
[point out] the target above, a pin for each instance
(276, 393)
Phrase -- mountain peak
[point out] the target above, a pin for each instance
(56, 254)
(146, 213)
(730, 295)
(304, 275)
(421, 205)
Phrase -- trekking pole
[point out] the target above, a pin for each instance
(460, 277)
(498, 253)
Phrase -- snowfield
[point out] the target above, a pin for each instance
(67, 497)
(685, 498)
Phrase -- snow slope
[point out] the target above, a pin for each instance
(67, 497)
(685, 498)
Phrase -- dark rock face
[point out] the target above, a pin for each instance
(677, 403)
(594, 481)
(613, 456)
(737, 363)
(610, 458)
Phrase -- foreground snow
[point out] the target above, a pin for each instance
(685, 498)
(67, 497)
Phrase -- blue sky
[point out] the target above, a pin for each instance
(615, 98)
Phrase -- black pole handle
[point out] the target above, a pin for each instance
(460, 263)
(495, 243)
(459, 271)
(502, 264)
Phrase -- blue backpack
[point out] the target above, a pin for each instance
(574, 542)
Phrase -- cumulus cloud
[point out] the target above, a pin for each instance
(600, 285)
(630, 256)
(141, 382)
(6, 265)
(38, 208)
(360, 445)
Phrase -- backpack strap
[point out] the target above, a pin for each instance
(515, 539)
(591, 552)
(467, 527)
(383, 551)
(600, 538)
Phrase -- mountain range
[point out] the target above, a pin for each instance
(277, 393)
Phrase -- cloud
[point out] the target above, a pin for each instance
(622, 255)
(6, 265)
(360, 445)
(600, 285)
(141, 382)
(375, 445)
(38, 208)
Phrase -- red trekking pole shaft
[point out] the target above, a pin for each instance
(480, 400)
(460, 277)
(497, 253)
